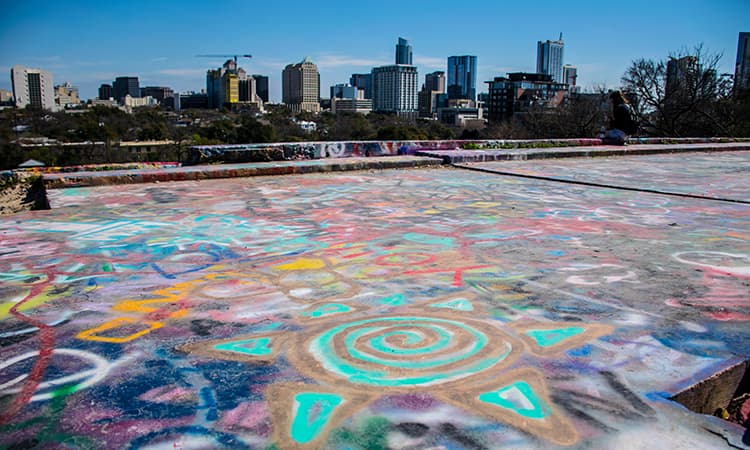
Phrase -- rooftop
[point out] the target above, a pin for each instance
(558, 303)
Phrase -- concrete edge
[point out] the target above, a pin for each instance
(194, 173)
(580, 152)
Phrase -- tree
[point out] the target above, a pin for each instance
(676, 97)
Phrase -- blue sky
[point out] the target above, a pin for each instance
(92, 42)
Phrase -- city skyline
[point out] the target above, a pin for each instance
(158, 42)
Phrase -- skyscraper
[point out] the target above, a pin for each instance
(742, 67)
(403, 52)
(549, 59)
(230, 86)
(429, 96)
(105, 91)
(261, 87)
(125, 86)
(394, 89)
(362, 81)
(300, 86)
(462, 77)
(434, 81)
(32, 88)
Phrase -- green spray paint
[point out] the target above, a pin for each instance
(322, 349)
(548, 338)
(309, 423)
(327, 310)
(252, 347)
(394, 300)
(518, 397)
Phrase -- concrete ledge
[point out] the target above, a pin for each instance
(84, 179)
(466, 156)
(291, 151)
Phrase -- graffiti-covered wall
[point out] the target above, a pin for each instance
(316, 150)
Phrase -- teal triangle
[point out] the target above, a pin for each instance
(327, 310)
(548, 338)
(394, 300)
(253, 347)
(460, 304)
(518, 397)
(312, 412)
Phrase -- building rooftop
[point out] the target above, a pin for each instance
(410, 308)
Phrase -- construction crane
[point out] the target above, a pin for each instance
(225, 56)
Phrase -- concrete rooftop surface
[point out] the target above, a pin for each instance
(425, 308)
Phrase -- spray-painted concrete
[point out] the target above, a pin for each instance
(206, 172)
(458, 156)
(721, 175)
(405, 309)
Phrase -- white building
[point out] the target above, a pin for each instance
(137, 102)
(32, 87)
(394, 89)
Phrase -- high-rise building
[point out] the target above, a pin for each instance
(105, 91)
(261, 87)
(229, 86)
(549, 59)
(32, 88)
(434, 81)
(429, 96)
(300, 86)
(403, 52)
(125, 86)
(362, 81)
(570, 76)
(742, 67)
(394, 87)
(462, 77)
(394, 90)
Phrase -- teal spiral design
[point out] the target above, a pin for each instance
(404, 351)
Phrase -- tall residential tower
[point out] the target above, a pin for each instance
(300, 86)
(549, 59)
(394, 87)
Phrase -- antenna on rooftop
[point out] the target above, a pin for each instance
(560, 36)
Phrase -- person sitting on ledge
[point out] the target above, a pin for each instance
(624, 121)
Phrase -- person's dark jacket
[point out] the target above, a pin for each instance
(623, 119)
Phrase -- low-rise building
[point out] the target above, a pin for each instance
(194, 100)
(352, 105)
(138, 102)
(66, 96)
(461, 113)
(520, 91)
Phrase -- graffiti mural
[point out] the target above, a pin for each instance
(410, 309)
